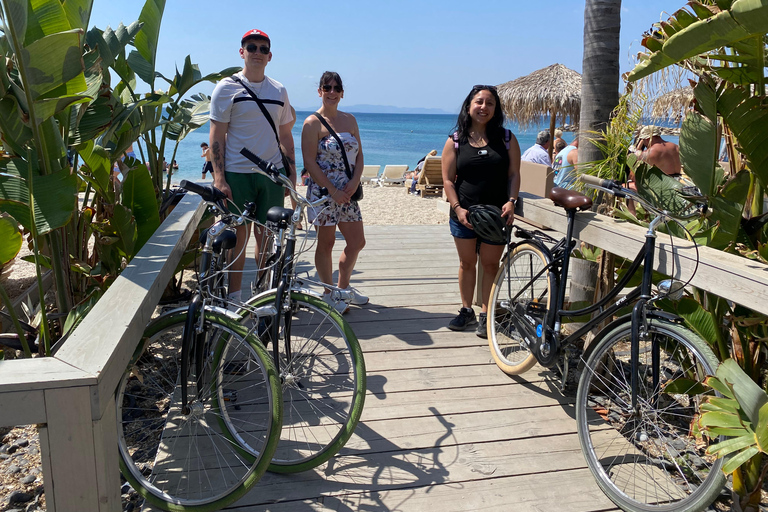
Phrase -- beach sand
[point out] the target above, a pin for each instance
(388, 206)
(394, 206)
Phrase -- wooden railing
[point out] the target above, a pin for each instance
(70, 396)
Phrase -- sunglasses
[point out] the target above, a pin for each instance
(336, 88)
(252, 48)
(489, 87)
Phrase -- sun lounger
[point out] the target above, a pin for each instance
(431, 178)
(392, 175)
(370, 174)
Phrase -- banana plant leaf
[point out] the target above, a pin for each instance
(98, 168)
(744, 19)
(55, 197)
(142, 60)
(698, 152)
(750, 396)
(727, 207)
(747, 117)
(697, 318)
(16, 134)
(110, 44)
(139, 197)
(10, 239)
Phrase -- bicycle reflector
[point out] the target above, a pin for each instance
(671, 289)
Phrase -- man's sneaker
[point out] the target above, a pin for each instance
(482, 325)
(358, 299)
(340, 306)
(465, 318)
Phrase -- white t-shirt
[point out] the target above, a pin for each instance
(231, 103)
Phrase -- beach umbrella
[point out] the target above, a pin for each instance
(554, 91)
(672, 105)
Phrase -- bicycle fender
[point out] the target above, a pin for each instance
(626, 319)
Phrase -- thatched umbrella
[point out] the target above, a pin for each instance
(554, 90)
(673, 104)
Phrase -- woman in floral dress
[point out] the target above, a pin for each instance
(324, 161)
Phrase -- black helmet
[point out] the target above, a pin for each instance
(488, 223)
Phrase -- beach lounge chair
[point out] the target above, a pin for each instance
(392, 175)
(370, 173)
(431, 177)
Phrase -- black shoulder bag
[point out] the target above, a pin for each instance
(358, 195)
(286, 162)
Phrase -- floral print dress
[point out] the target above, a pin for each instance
(332, 164)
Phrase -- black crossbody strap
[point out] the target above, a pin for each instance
(347, 170)
(263, 111)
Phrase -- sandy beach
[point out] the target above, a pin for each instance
(394, 206)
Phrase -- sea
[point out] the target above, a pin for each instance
(387, 139)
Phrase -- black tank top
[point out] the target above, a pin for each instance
(482, 175)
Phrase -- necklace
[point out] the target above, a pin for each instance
(479, 140)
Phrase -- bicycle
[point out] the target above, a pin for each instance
(320, 363)
(640, 388)
(181, 385)
(319, 358)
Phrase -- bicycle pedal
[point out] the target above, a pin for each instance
(536, 309)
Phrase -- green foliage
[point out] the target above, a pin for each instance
(10, 239)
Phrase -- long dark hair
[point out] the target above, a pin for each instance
(495, 127)
(328, 77)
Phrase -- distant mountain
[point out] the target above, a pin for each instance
(385, 109)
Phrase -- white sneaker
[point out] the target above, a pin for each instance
(358, 299)
(340, 306)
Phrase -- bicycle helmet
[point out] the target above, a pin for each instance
(488, 223)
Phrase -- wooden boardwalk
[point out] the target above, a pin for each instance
(443, 428)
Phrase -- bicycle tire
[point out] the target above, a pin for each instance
(649, 460)
(525, 261)
(181, 462)
(324, 395)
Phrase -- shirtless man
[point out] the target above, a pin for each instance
(207, 166)
(654, 150)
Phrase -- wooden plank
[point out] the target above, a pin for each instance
(729, 276)
(40, 373)
(22, 408)
(107, 459)
(71, 445)
(45, 462)
(129, 303)
(453, 468)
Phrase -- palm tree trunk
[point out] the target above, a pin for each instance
(600, 71)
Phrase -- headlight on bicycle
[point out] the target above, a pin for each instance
(671, 289)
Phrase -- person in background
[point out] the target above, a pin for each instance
(207, 165)
(481, 165)
(417, 172)
(654, 150)
(237, 121)
(565, 164)
(539, 152)
(323, 159)
(559, 141)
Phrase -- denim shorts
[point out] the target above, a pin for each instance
(459, 230)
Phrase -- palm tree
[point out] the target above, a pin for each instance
(600, 73)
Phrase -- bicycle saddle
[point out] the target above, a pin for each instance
(570, 199)
(279, 215)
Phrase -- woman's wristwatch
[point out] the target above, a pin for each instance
(513, 200)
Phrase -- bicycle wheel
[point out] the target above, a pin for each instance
(519, 283)
(651, 458)
(182, 462)
(323, 383)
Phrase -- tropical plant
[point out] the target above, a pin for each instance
(742, 415)
(722, 43)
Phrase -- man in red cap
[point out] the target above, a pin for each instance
(238, 107)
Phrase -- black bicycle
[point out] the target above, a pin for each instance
(641, 386)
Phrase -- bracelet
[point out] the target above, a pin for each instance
(455, 205)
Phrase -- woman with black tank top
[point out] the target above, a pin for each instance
(481, 165)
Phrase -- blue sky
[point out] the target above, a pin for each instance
(419, 53)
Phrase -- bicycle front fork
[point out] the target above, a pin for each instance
(639, 332)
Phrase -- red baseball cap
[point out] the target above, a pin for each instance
(255, 34)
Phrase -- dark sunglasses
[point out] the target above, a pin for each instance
(489, 87)
(336, 88)
(251, 48)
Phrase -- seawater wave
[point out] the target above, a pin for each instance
(387, 139)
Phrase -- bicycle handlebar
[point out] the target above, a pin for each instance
(269, 170)
(209, 193)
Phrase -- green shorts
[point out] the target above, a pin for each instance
(255, 188)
